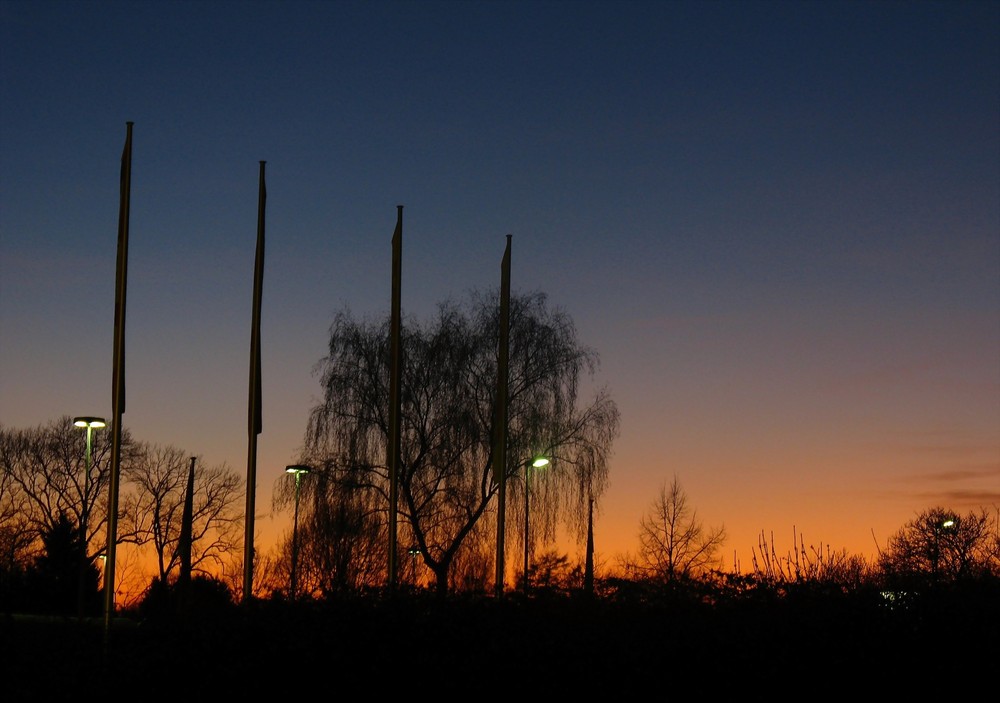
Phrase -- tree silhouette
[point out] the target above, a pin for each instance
(153, 511)
(55, 578)
(550, 571)
(340, 538)
(16, 536)
(446, 482)
(941, 546)
(673, 543)
(44, 467)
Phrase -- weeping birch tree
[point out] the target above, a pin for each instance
(446, 485)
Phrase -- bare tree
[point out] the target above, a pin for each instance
(155, 507)
(48, 482)
(15, 534)
(45, 469)
(940, 545)
(446, 483)
(45, 483)
(673, 543)
(269, 576)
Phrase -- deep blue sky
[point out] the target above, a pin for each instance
(778, 223)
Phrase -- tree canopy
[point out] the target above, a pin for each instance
(446, 483)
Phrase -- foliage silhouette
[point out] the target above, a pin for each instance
(446, 484)
(941, 546)
(52, 584)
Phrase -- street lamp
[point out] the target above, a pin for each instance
(91, 424)
(414, 553)
(297, 470)
(944, 524)
(537, 463)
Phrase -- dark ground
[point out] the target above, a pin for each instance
(482, 648)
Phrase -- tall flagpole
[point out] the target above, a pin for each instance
(255, 423)
(118, 380)
(185, 539)
(394, 398)
(500, 417)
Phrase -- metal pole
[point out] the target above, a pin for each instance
(527, 474)
(89, 423)
(295, 535)
(84, 520)
(86, 484)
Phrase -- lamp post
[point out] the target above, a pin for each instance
(297, 470)
(946, 523)
(537, 463)
(91, 424)
(414, 553)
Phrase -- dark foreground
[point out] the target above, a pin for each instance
(485, 649)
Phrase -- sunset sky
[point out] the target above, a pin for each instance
(777, 223)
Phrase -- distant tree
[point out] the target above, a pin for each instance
(268, 575)
(55, 578)
(16, 537)
(551, 571)
(673, 544)
(45, 472)
(446, 482)
(342, 536)
(44, 482)
(941, 546)
(45, 467)
(152, 514)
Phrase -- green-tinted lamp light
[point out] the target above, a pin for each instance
(87, 421)
(539, 462)
(298, 469)
(948, 523)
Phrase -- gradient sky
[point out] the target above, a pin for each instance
(778, 224)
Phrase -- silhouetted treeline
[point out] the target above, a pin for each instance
(924, 617)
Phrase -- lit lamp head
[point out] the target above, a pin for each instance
(91, 422)
(297, 469)
(539, 462)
